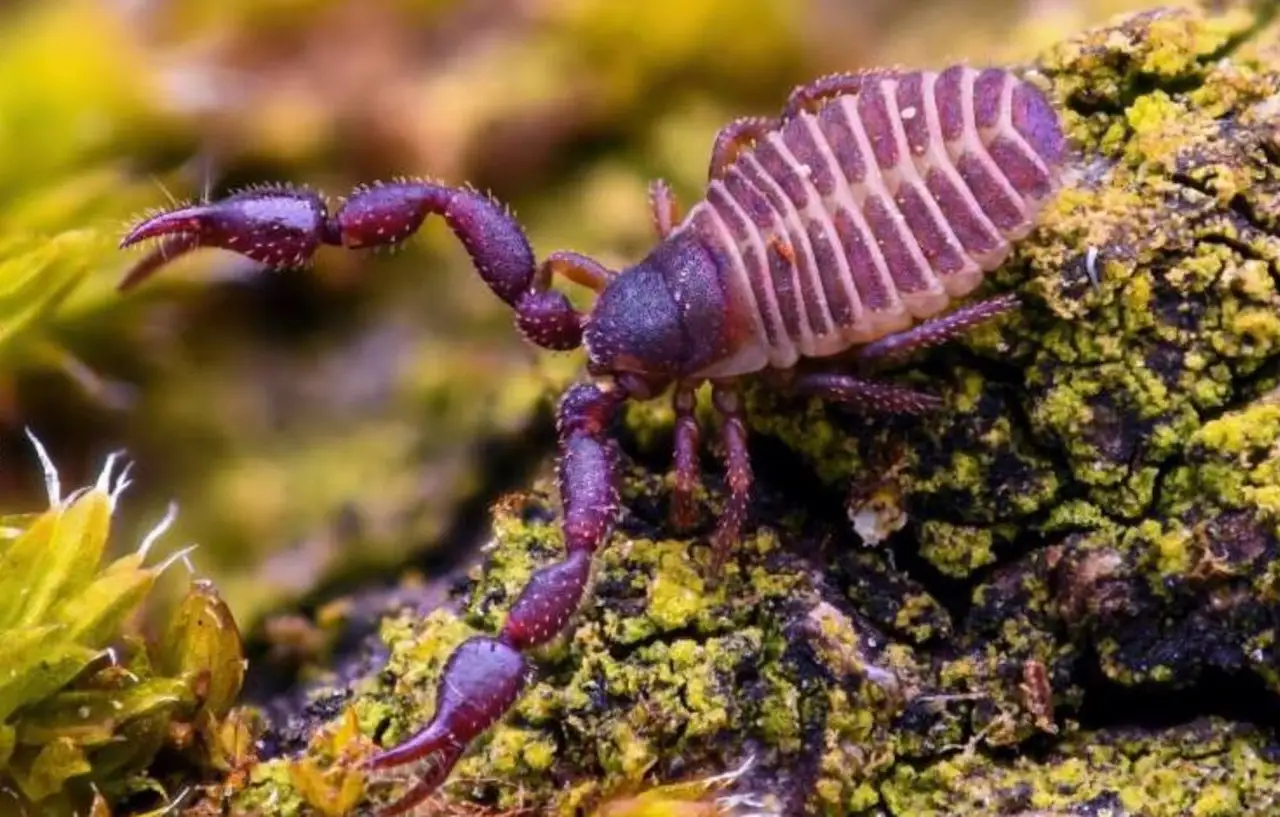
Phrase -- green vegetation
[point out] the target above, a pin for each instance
(86, 705)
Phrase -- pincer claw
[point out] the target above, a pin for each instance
(278, 227)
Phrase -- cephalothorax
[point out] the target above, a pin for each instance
(850, 223)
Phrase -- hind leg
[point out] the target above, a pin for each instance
(895, 348)
(873, 396)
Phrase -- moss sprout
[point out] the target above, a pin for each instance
(85, 704)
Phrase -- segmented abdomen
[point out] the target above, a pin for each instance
(879, 209)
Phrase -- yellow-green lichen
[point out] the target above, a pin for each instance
(956, 550)
(1228, 773)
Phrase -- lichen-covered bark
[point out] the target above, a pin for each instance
(1029, 602)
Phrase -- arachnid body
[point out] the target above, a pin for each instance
(854, 220)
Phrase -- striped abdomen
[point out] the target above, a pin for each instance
(879, 209)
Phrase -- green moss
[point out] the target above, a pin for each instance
(86, 703)
(1170, 548)
(63, 199)
(1217, 801)
(677, 596)
(1159, 128)
(780, 719)
(270, 787)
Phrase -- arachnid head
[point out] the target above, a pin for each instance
(663, 318)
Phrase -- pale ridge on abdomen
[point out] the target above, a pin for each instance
(881, 207)
(812, 302)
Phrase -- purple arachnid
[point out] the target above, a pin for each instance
(849, 224)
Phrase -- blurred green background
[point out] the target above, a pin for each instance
(333, 426)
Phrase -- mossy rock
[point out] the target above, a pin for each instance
(1029, 603)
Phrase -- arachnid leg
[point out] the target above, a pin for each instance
(887, 398)
(687, 470)
(485, 676)
(895, 348)
(733, 138)
(733, 434)
(282, 227)
(664, 207)
(810, 96)
(870, 395)
(576, 267)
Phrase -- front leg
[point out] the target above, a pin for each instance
(733, 434)
(485, 676)
(685, 401)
